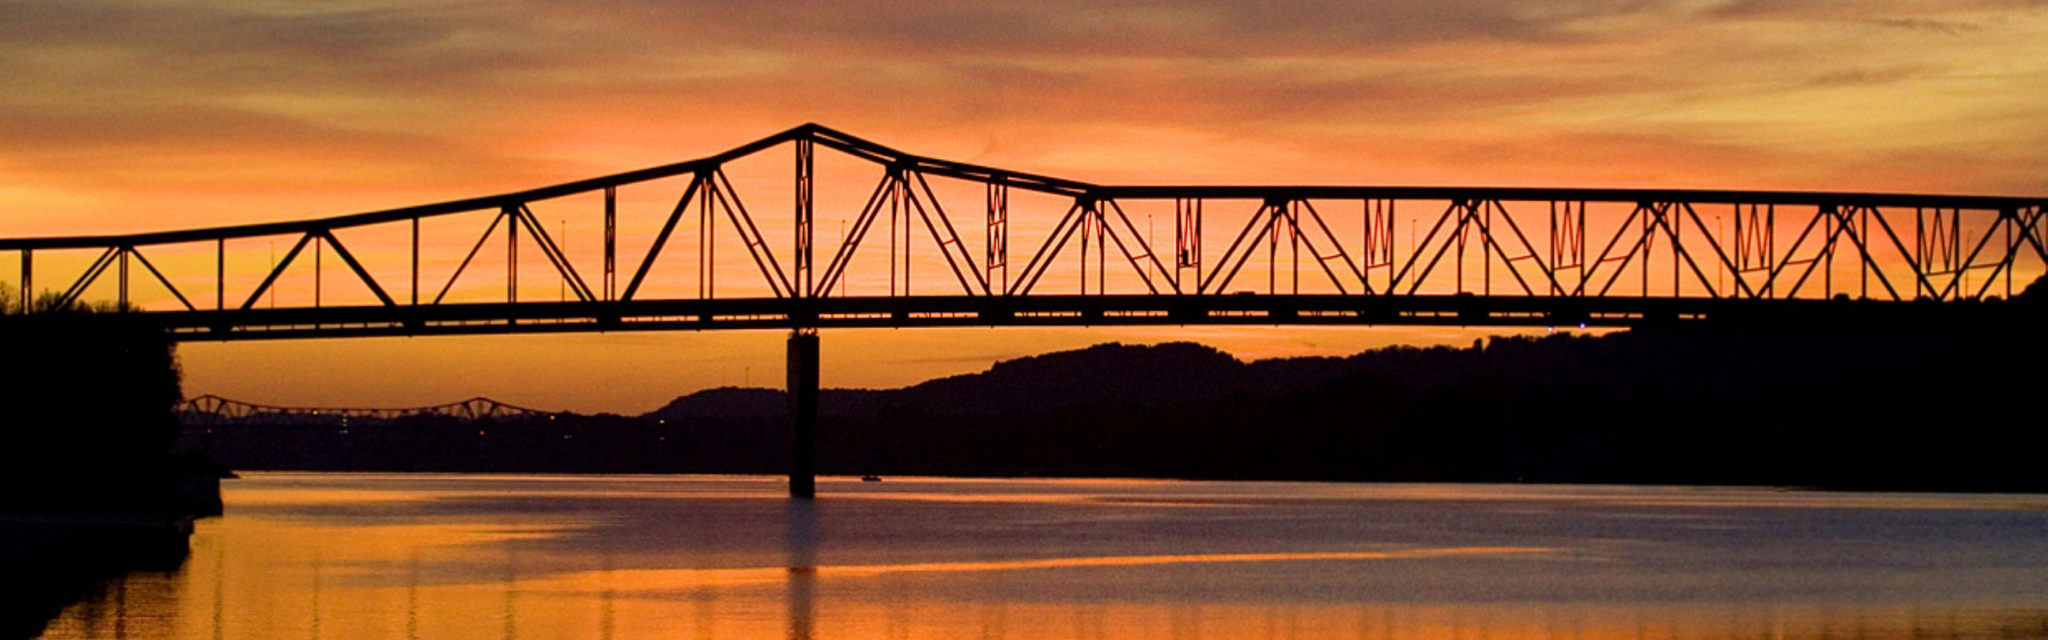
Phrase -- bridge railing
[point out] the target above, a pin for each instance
(952, 225)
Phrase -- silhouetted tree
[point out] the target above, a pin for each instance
(88, 409)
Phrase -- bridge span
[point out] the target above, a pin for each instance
(696, 256)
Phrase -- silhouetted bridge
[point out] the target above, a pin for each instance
(213, 410)
(1091, 254)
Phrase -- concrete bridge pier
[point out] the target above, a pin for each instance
(803, 413)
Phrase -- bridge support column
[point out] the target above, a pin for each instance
(803, 413)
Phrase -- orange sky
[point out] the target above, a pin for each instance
(125, 116)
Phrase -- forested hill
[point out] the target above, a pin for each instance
(1952, 406)
(1927, 408)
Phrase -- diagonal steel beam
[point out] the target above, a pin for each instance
(277, 271)
(660, 240)
(553, 252)
(757, 245)
(1322, 260)
(1786, 260)
(1833, 217)
(161, 279)
(1589, 271)
(1486, 236)
(86, 278)
(1642, 247)
(1719, 252)
(1463, 211)
(1262, 222)
(457, 274)
(869, 213)
(1172, 279)
(946, 237)
(357, 267)
(1663, 219)
(1415, 252)
(1050, 249)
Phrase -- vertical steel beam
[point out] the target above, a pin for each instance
(1088, 220)
(805, 167)
(1275, 212)
(1101, 250)
(123, 295)
(1833, 220)
(1293, 210)
(1677, 246)
(1920, 252)
(1863, 249)
(220, 274)
(1379, 241)
(611, 239)
(28, 286)
(415, 262)
(1187, 236)
(1486, 259)
(895, 201)
(2012, 255)
(899, 240)
(1648, 242)
(1091, 235)
(707, 226)
(511, 254)
(1464, 233)
(903, 206)
(802, 388)
(1567, 241)
(998, 234)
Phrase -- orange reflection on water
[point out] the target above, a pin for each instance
(508, 558)
(203, 605)
(671, 579)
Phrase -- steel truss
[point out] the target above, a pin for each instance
(1686, 253)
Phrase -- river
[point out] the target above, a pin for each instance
(310, 556)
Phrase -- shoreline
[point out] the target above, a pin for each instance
(50, 560)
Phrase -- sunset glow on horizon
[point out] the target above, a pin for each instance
(121, 117)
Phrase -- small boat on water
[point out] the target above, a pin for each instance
(870, 478)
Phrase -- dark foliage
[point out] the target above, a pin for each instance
(89, 421)
(1939, 407)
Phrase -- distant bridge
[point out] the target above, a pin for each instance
(1348, 255)
(213, 410)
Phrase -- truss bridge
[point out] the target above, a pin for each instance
(813, 228)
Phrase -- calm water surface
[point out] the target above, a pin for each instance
(310, 556)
